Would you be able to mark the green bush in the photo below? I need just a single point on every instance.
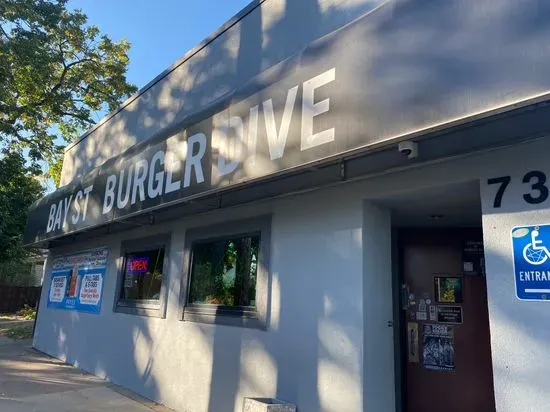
(27, 313)
(16, 273)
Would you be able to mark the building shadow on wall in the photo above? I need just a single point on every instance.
(303, 342)
(292, 352)
(310, 353)
(124, 357)
(311, 329)
(514, 365)
(210, 74)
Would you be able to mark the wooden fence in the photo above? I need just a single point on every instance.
(13, 298)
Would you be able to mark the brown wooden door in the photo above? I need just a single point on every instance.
(448, 362)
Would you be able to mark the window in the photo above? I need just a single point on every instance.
(143, 276)
(223, 272)
(226, 274)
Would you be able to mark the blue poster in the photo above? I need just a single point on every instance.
(77, 281)
(532, 262)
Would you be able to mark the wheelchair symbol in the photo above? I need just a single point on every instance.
(535, 252)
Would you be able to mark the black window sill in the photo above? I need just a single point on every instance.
(212, 314)
(140, 308)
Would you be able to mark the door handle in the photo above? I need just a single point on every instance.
(404, 296)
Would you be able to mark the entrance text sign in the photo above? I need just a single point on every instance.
(77, 281)
(532, 262)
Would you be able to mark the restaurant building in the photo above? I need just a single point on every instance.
(340, 204)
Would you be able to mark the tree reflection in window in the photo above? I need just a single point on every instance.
(224, 272)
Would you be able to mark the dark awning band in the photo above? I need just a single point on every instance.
(362, 85)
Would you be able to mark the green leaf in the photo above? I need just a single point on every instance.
(19, 188)
(56, 73)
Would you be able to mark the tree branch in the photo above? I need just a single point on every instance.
(14, 132)
(59, 83)
(77, 116)
(90, 87)
(4, 32)
(66, 68)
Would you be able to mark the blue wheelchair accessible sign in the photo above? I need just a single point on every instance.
(532, 262)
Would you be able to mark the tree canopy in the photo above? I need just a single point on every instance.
(19, 188)
(56, 71)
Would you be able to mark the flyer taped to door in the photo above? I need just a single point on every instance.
(438, 347)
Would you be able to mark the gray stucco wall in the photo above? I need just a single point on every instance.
(268, 34)
(519, 332)
(519, 329)
(379, 379)
(329, 305)
(311, 353)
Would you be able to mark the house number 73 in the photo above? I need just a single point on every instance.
(536, 189)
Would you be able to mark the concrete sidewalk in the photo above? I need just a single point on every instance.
(31, 381)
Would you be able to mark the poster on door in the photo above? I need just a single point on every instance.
(77, 281)
(438, 347)
(448, 289)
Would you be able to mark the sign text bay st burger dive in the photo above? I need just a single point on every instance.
(181, 162)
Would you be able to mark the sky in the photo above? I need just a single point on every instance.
(160, 31)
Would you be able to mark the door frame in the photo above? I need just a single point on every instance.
(399, 299)
(399, 335)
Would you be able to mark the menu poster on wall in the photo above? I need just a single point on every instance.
(438, 348)
(77, 281)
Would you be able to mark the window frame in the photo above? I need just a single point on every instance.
(245, 316)
(144, 307)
